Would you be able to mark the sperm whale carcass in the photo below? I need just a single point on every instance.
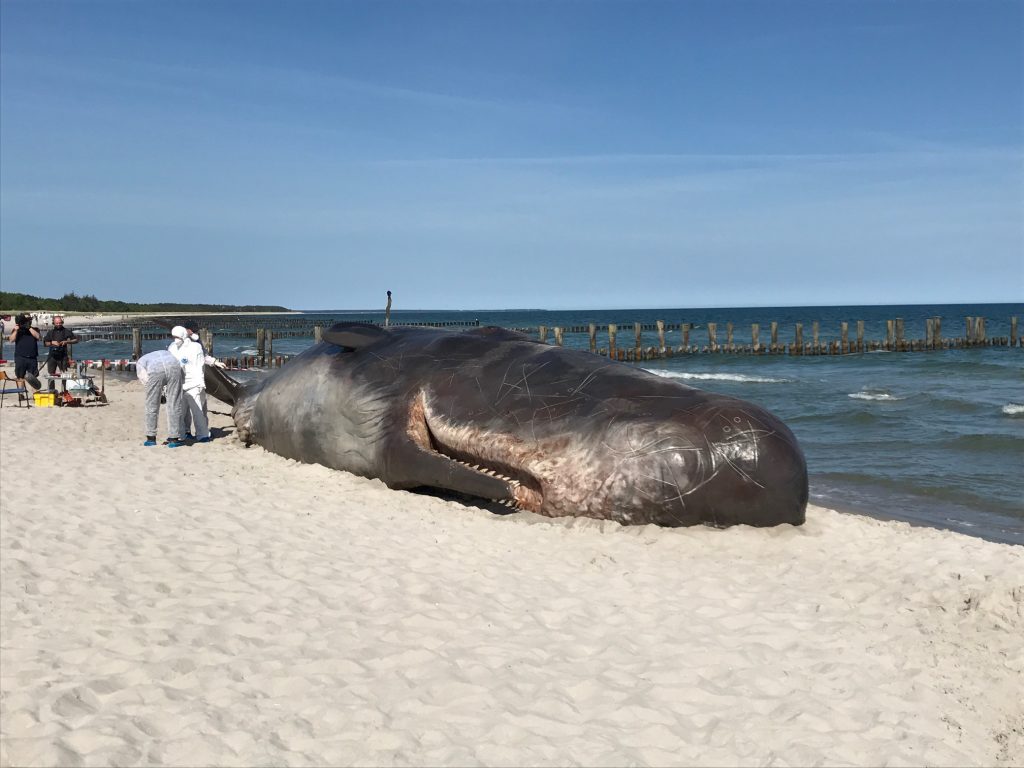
(493, 414)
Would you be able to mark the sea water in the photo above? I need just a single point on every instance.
(933, 438)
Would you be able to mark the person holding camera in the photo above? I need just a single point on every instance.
(58, 339)
(26, 351)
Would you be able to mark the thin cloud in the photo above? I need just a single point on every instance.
(187, 80)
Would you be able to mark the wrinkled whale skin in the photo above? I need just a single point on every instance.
(491, 413)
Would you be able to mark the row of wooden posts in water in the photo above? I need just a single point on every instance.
(975, 335)
(894, 341)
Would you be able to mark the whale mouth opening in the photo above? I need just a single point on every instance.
(524, 488)
(487, 454)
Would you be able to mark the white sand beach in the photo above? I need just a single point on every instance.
(217, 605)
(44, 318)
(74, 320)
(81, 320)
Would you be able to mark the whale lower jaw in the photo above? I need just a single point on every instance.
(489, 454)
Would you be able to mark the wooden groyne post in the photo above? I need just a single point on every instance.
(612, 331)
(136, 343)
(261, 345)
(593, 337)
(974, 331)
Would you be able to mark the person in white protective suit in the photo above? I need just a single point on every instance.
(193, 357)
(160, 371)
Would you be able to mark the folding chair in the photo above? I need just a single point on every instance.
(15, 390)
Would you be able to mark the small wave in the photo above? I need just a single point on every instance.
(955, 404)
(999, 444)
(1013, 409)
(718, 377)
(880, 396)
(855, 417)
(248, 353)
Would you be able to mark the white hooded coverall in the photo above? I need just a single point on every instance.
(192, 357)
(156, 371)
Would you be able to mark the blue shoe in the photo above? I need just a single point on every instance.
(204, 439)
(174, 444)
(188, 436)
(150, 442)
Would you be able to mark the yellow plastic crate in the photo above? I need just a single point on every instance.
(44, 399)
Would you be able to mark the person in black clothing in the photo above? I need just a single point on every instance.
(58, 340)
(26, 351)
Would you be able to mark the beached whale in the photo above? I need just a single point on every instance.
(493, 414)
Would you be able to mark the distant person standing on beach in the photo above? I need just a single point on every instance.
(192, 357)
(387, 312)
(161, 373)
(58, 339)
(26, 351)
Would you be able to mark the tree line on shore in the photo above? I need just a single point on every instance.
(72, 302)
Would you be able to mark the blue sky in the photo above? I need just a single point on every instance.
(513, 154)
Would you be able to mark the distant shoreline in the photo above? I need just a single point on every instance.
(80, 319)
